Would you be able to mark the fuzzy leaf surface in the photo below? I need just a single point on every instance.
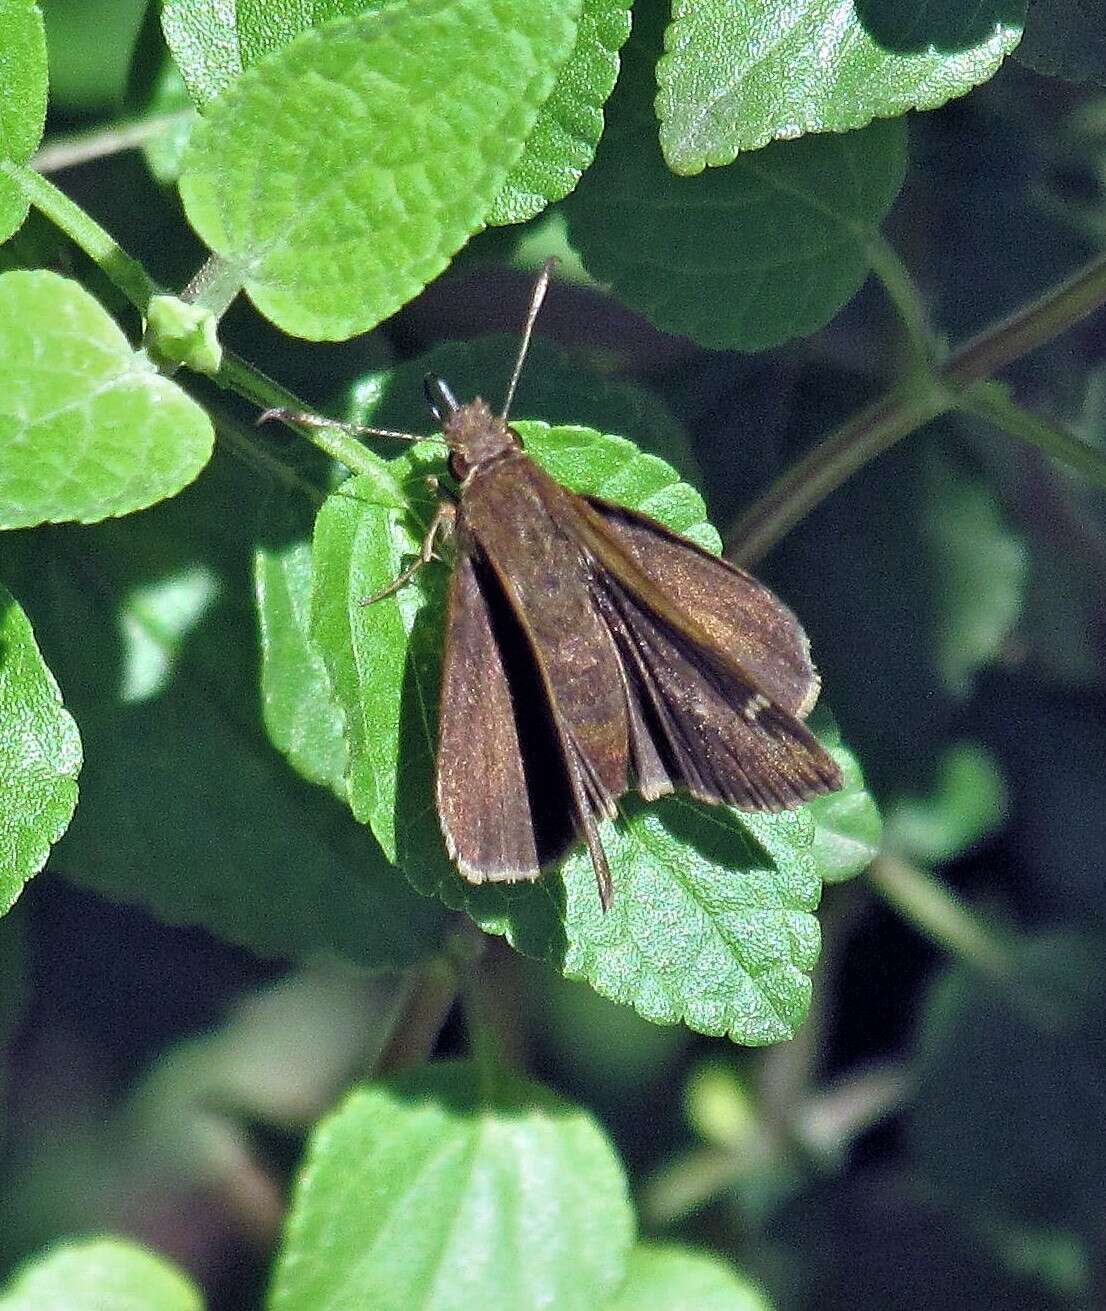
(339, 203)
(40, 755)
(734, 77)
(23, 103)
(570, 123)
(88, 427)
(740, 258)
(212, 42)
(712, 921)
(437, 1191)
(101, 1274)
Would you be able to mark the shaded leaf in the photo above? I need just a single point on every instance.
(23, 104)
(1008, 1117)
(664, 1277)
(734, 78)
(711, 923)
(441, 1191)
(931, 579)
(102, 1274)
(1065, 38)
(40, 755)
(847, 824)
(966, 803)
(88, 427)
(189, 810)
(302, 717)
(372, 182)
(740, 258)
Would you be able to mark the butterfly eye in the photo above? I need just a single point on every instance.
(441, 400)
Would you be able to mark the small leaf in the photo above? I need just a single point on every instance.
(734, 78)
(741, 258)
(178, 332)
(712, 922)
(338, 205)
(847, 823)
(23, 103)
(568, 127)
(966, 803)
(664, 1277)
(40, 756)
(88, 428)
(102, 1274)
(1065, 38)
(440, 1192)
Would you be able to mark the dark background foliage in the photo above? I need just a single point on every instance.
(934, 1134)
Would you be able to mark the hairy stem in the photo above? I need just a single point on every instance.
(67, 152)
(929, 906)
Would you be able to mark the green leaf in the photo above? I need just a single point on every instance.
(23, 103)
(711, 923)
(88, 427)
(186, 807)
(568, 127)
(302, 716)
(102, 1274)
(1065, 38)
(966, 803)
(741, 258)
(339, 205)
(664, 1277)
(1007, 1119)
(212, 42)
(734, 78)
(40, 755)
(438, 1191)
(90, 43)
(847, 824)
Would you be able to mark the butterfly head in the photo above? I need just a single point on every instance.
(472, 432)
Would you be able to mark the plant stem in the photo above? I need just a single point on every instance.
(911, 404)
(420, 1020)
(992, 402)
(941, 917)
(67, 152)
(902, 291)
(239, 376)
(125, 272)
(214, 286)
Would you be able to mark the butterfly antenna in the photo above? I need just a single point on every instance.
(354, 429)
(541, 286)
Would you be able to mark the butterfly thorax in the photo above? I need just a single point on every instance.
(475, 435)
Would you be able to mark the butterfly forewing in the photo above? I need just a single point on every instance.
(505, 810)
(746, 619)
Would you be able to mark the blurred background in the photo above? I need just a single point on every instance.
(935, 1135)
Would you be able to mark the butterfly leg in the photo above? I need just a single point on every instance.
(444, 515)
